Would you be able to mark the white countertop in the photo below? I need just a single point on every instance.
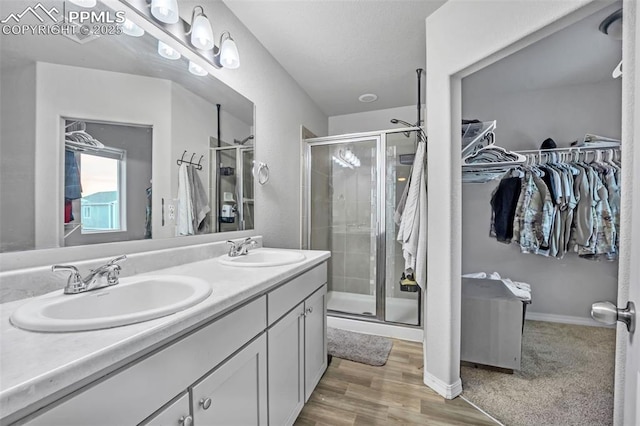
(35, 367)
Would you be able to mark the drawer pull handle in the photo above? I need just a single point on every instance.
(205, 403)
(308, 311)
(186, 421)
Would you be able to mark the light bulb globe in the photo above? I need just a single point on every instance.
(201, 33)
(167, 51)
(165, 11)
(229, 57)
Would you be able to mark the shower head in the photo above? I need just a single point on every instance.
(396, 121)
(243, 141)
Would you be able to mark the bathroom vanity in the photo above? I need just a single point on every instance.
(249, 354)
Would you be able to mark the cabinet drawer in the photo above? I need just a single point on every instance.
(131, 395)
(288, 295)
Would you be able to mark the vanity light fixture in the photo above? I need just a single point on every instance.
(132, 29)
(167, 51)
(200, 31)
(196, 69)
(227, 55)
(165, 11)
(84, 3)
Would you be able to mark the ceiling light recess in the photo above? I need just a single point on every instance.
(368, 97)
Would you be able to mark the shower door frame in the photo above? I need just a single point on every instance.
(380, 136)
(239, 187)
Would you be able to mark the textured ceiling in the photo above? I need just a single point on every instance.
(338, 50)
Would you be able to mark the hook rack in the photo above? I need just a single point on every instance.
(197, 165)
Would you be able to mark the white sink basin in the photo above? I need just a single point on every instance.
(134, 299)
(263, 257)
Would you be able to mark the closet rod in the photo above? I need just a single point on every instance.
(569, 149)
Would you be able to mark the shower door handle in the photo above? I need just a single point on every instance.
(608, 313)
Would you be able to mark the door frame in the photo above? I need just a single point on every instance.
(380, 137)
(514, 25)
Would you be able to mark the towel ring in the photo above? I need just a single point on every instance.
(261, 172)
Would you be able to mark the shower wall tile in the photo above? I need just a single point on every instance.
(357, 285)
(338, 242)
(338, 263)
(321, 238)
(358, 265)
(358, 243)
(336, 283)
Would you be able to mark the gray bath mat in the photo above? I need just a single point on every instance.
(364, 348)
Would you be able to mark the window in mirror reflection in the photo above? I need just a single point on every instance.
(102, 202)
(107, 182)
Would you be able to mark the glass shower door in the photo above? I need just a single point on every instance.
(343, 218)
(402, 303)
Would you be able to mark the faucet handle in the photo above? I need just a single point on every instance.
(117, 259)
(74, 271)
(74, 283)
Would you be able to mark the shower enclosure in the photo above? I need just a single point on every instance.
(352, 184)
(232, 188)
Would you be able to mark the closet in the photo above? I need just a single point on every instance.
(540, 214)
(540, 92)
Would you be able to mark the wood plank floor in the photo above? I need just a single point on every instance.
(351, 393)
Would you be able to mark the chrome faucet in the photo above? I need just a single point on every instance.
(242, 247)
(102, 276)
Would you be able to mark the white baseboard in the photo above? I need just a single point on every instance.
(448, 391)
(564, 319)
(379, 329)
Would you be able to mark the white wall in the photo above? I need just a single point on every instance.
(563, 289)
(17, 136)
(371, 120)
(281, 108)
(525, 119)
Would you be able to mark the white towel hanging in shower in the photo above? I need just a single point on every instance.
(412, 232)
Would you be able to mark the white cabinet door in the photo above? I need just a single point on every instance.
(236, 392)
(315, 340)
(174, 414)
(286, 368)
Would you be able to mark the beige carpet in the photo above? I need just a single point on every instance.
(566, 378)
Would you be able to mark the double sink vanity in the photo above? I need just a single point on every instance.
(226, 340)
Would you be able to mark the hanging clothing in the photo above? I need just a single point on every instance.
(200, 201)
(147, 218)
(72, 184)
(503, 203)
(412, 212)
(561, 208)
(185, 216)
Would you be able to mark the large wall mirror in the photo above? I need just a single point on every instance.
(102, 139)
